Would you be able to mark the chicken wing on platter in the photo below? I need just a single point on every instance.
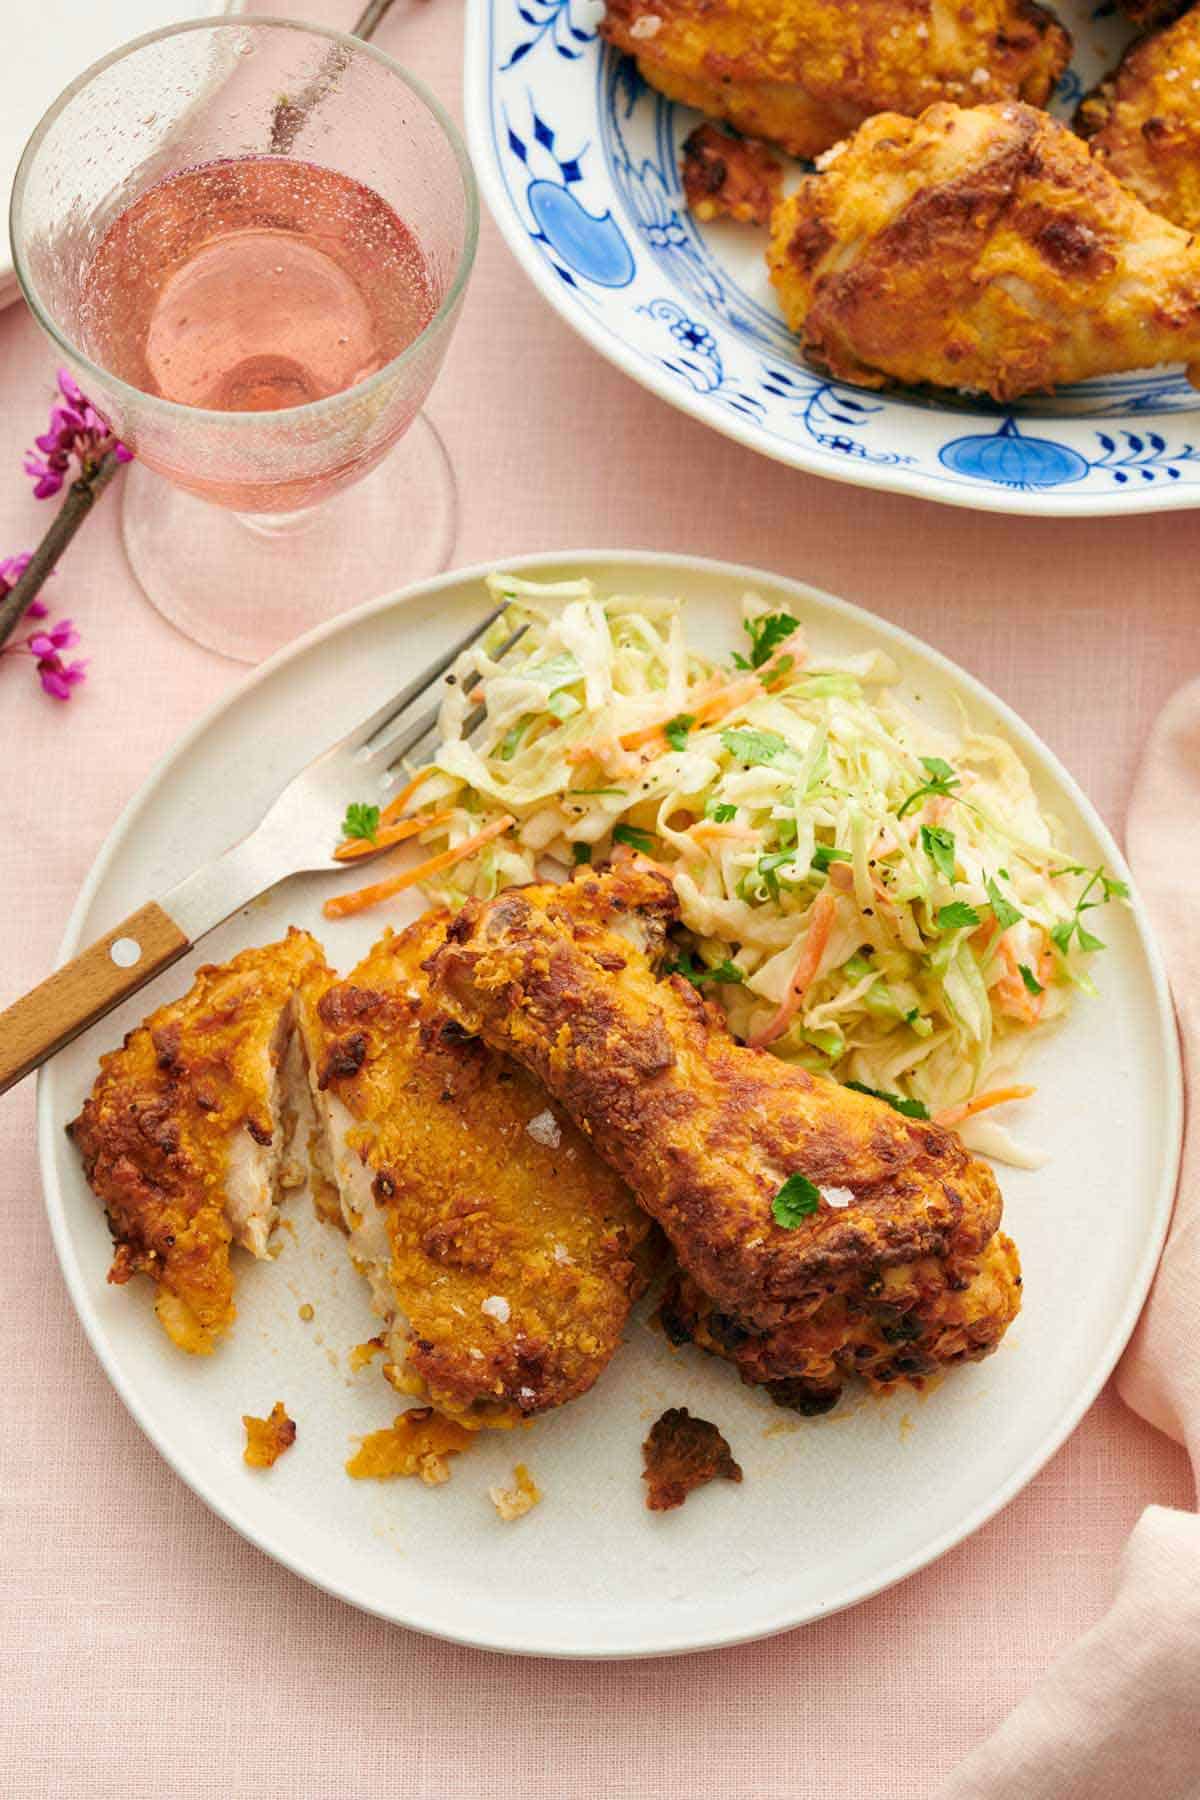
(183, 1135)
(807, 1214)
(502, 1253)
(983, 249)
(803, 73)
(1143, 122)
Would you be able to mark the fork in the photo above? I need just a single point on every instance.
(297, 836)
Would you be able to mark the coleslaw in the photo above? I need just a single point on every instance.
(879, 900)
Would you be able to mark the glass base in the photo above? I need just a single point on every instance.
(245, 584)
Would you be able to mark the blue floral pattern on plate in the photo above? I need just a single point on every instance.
(579, 160)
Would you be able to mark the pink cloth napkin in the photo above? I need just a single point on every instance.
(1119, 1714)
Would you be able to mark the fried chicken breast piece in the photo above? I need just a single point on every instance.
(184, 1132)
(983, 249)
(707, 1131)
(503, 1255)
(803, 73)
(922, 1317)
(1143, 122)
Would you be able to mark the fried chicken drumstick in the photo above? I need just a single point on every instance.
(983, 249)
(803, 73)
(706, 1133)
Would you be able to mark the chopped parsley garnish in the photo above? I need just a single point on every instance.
(912, 1109)
(1032, 984)
(955, 916)
(1003, 911)
(676, 730)
(361, 821)
(824, 854)
(938, 844)
(582, 853)
(637, 840)
(721, 812)
(698, 973)
(796, 1199)
(752, 746)
(765, 634)
(1074, 927)
(942, 781)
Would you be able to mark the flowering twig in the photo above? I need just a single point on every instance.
(82, 494)
(76, 434)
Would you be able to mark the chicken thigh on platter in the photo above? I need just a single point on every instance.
(803, 73)
(1143, 122)
(897, 1215)
(983, 249)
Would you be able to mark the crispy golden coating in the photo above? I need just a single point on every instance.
(985, 250)
(683, 1454)
(804, 73)
(267, 1439)
(707, 1131)
(510, 1254)
(730, 178)
(183, 1132)
(922, 1317)
(1143, 122)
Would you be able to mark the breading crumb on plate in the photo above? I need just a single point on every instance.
(267, 1439)
(516, 1501)
(730, 177)
(418, 1442)
(682, 1454)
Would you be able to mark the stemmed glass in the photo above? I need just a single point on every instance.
(254, 509)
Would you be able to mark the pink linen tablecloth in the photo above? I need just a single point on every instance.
(148, 1652)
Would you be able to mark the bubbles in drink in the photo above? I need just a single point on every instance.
(253, 284)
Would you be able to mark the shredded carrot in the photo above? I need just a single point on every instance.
(342, 905)
(707, 829)
(351, 849)
(966, 1109)
(1013, 998)
(819, 928)
(395, 808)
(706, 703)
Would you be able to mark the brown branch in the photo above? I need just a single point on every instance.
(81, 497)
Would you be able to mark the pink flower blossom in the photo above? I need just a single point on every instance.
(11, 570)
(59, 678)
(45, 646)
(76, 431)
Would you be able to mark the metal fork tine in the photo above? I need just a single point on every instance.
(391, 710)
(428, 720)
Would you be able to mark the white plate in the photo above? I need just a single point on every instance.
(831, 1510)
(49, 43)
(579, 162)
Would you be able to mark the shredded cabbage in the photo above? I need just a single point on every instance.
(953, 923)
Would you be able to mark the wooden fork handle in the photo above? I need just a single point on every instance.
(86, 988)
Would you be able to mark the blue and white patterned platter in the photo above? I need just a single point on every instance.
(579, 162)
